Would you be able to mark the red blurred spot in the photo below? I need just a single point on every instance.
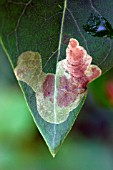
(109, 90)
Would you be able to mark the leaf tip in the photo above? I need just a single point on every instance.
(53, 153)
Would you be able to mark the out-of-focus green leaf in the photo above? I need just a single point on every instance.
(18, 123)
(94, 155)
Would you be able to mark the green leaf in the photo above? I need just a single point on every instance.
(46, 27)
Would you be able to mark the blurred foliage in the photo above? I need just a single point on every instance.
(102, 89)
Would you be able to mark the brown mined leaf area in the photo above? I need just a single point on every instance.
(67, 92)
(29, 69)
(58, 94)
(48, 87)
(78, 65)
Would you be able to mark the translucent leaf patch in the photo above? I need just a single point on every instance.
(58, 94)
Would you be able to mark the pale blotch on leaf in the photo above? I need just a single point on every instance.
(29, 68)
(58, 94)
